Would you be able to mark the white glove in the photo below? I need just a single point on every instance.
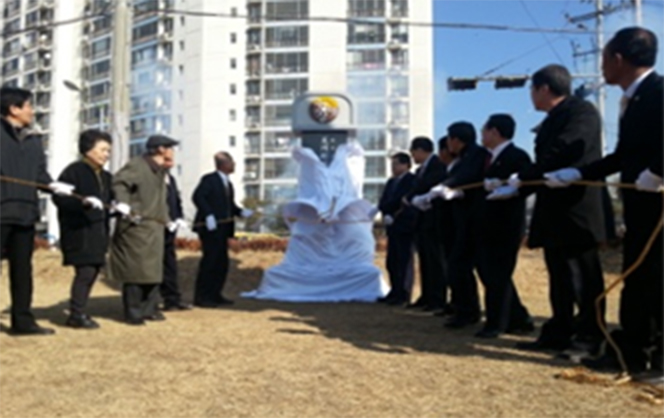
(388, 220)
(181, 223)
(246, 213)
(211, 223)
(562, 178)
(649, 182)
(372, 212)
(514, 181)
(422, 202)
(122, 208)
(437, 191)
(503, 193)
(94, 202)
(492, 184)
(172, 226)
(63, 189)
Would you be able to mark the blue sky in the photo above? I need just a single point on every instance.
(469, 53)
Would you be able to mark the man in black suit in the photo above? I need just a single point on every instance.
(399, 221)
(628, 61)
(501, 230)
(427, 238)
(468, 168)
(569, 223)
(215, 204)
(169, 289)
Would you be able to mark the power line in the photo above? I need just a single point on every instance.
(560, 59)
(518, 57)
(436, 25)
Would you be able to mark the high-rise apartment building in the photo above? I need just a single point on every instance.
(225, 82)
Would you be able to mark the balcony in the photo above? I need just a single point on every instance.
(46, 4)
(43, 107)
(253, 48)
(253, 100)
(286, 70)
(395, 44)
(166, 37)
(398, 123)
(366, 66)
(43, 87)
(366, 13)
(252, 124)
(250, 176)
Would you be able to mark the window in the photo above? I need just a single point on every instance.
(375, 167)
(252, 144)
(373, 59)
(371, 113)
(233, 89)
(100, 69)
(365, 33)
(399, 112)
(182, 20)
(100, 91)
(367, 86)
(367, 8)
(101, 48)
(253, 88)
(101, 24)
(400, 33)
(232, 115)
(233, 63)
(145, 32)
(143, 55)
(293, 62)
(371, 139)
(400, 139)
(287, 36)
(278, 115)
(181, 69)
(180, 120)
(283, 89)
(399, 58)
(32, 19)
(288, 10)
(399, 86)
(279, 193)
(10, 67)
(181, 45)
(251, 169)
(231, 141)
(278, 141)
(282, 168)
(233, 11)
(399, 8)
(251, 192)
(233, 38)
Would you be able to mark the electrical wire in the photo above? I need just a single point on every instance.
(525, 7)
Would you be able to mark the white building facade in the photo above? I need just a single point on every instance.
(225, 82)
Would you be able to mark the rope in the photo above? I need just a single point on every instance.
(644, 253)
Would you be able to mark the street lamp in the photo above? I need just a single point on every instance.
(102, 114)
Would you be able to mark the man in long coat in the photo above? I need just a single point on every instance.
(137, 247)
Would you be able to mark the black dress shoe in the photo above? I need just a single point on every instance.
(135, 321)
(419, 304)
(458, 322)
(224, 301)
(523, 328)
(609, 363)
(446, 311)
(397, 301)
(33, 330)
(180, 306)
(81, 322)
(488, 333)
(157, 316)
(432, 308)
(543, 345)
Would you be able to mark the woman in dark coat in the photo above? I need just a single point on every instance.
(84, 227)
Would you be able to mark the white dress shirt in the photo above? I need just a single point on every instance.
(496, 151)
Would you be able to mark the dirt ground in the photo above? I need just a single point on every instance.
(268, 359)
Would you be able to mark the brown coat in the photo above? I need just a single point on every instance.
(137, 250)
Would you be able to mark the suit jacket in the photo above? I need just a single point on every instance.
(427, 177)
(504, 220)
(391, 204)
(572, 217)
(639, 147)
(212, 198)
(466, 211)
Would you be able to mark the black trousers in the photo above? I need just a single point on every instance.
(169, 289)
(433, 269)
(140, 300)
(496, 264)
(641, 310)
(81, 287)
(18, 244)
(399, 261)
(213, 267)
(574, 279)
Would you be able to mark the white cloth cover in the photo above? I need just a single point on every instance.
(330, 254)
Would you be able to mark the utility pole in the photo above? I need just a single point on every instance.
(601, 92)
(638, 13)
(120, 81)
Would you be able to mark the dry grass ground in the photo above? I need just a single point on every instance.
(267, 359)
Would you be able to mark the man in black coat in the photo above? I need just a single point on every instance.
(430, 251)
(501, 231)
(628, 61)
(214, 198)
(84, 226)
(21, 158)
(469, 167)
(569, 223)
(169, 288)
(400, 225)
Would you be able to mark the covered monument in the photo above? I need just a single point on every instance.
(330, 255)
